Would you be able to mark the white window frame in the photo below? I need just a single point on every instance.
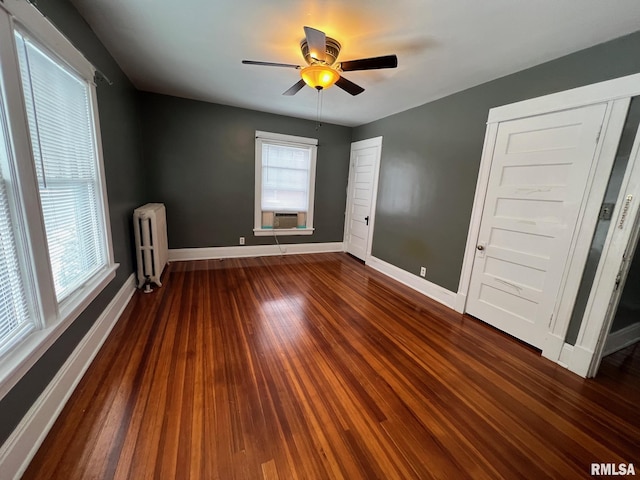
(52, 318)
(293, 141)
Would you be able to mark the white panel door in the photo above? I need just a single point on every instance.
(537, 184)
(363, 176)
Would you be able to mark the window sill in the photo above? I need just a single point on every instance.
(280, 232)
(17, 362)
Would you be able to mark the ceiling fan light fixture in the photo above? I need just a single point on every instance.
(319, 76)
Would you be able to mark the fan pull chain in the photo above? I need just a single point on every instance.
(319, 109)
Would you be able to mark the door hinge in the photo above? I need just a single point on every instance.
(599, 133)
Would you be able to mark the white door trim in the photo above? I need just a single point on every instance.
(588, 219)
(476, 214)
(370, 142)
(607, 91)
(623, 87)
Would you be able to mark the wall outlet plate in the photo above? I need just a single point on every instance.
(241, 240)
(423, 271)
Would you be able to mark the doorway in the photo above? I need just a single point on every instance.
(606, 308)
(609, 225)
(620, 335)
(625, 327)
(618, 354)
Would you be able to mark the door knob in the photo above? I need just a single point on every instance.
(480, 247)
(366, 219)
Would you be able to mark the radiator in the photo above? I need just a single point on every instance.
(152, 247)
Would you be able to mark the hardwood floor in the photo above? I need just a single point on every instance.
(315, 366)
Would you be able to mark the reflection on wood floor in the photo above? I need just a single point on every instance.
(620, 372)
(315, 366)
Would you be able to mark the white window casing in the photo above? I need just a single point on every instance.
(285, 167)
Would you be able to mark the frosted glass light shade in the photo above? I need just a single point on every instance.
(319, 76)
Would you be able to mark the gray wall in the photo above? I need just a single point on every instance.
(119, 119)
(200, 160)
(431, 156)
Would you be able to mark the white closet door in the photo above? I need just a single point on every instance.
(537, 184)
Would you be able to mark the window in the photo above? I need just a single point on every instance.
(285, 180)
(15, 318)
(64, 153)
(55, 242)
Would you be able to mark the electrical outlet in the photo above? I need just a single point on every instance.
(241, 240)
(423, 272)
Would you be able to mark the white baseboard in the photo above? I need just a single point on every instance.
(564, 358)
(574, 358)
(553, 347)
(18, 451)
(431, 290)
(212, 253)
(622, 338)
(580, 360)
(461, 302)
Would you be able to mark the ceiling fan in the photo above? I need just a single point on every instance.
(321, 52)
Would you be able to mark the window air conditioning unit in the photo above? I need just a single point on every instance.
(285, 220)
(280, 220)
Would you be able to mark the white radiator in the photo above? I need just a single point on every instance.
(152, 247)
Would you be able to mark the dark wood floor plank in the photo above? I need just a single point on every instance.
(314, 367)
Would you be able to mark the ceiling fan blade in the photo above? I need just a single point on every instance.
(295, 88)
(317, 43)
(349, 87)
(270, 64)
(375, 63)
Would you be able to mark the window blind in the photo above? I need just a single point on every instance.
(59, 113)
(15, 319)
(285, 178)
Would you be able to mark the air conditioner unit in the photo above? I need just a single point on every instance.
(285, 220)
(280, 220)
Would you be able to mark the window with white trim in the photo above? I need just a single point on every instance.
(284, 184)
(58, 106)
(56, 253)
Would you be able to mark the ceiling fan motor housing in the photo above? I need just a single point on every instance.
(332, 52)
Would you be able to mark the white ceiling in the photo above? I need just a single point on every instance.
(193, 48)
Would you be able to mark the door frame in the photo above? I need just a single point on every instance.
(603, 300)
(370, 142)
(616, 93)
